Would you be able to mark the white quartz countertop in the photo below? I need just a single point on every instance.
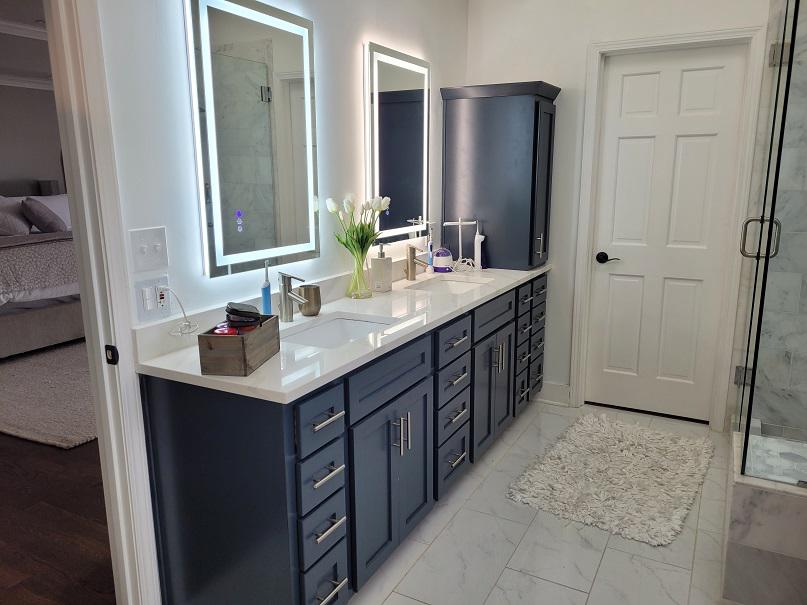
(299, 369)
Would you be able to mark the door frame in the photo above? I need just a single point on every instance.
(85, 129)
(753, 39)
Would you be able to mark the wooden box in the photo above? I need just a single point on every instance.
(242, 354)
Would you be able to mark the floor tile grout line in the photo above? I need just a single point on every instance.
(532, 575)
(596, 573)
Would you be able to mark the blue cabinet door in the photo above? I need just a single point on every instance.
(485, 362)
(414, 490)
(504, 378)
(375, 452)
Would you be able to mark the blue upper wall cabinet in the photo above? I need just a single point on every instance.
(497, 168)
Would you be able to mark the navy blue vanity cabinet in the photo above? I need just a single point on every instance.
(492, 401)
(391, 476)
(497, 168)
(537, 335)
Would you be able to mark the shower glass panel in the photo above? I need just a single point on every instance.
(772, 403)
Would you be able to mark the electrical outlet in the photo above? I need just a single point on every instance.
(152, 299)
(149, 249)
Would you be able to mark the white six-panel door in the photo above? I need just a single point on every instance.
(666, 185)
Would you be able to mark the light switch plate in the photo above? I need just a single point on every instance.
(146, 302)
(149, 249)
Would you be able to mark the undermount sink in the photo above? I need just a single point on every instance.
(331, 332)
(451, 283)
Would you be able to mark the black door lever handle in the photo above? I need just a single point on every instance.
(602, 258)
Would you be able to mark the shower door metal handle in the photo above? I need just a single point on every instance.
(777, 224)
(744, 236)
(776, 235)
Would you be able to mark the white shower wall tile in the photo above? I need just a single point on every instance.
(783, 292)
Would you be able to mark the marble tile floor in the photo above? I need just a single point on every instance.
(479, 548)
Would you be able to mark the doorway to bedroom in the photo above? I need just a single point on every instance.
(55, 543)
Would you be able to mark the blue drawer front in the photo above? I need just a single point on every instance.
(494, 314)
(320, 476)
(523, 328)
(327, 581)
(453, 340)
(320, 420)
(453, 460)
(452, 379)
(322, 528)
(521, 394)
(372, 387)
(453, 416)
(524, 298)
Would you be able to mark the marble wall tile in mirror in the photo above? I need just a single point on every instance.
(397, 137)
(252, 79)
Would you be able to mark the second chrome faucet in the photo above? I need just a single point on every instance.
(412, 262)
(288, 298)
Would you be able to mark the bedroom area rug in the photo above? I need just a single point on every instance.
(45, 396)
(630, 480)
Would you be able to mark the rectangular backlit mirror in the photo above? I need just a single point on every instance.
(396, 111)
(253, 97)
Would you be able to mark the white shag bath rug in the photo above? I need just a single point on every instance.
(627, 479)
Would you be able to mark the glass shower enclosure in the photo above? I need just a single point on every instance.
(772, 363)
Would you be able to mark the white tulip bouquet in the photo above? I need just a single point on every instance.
(359, 230)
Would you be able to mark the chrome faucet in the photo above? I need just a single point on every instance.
(412, 262)
(287, 297)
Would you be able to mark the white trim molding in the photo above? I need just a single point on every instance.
(85, 128)
(23, 30)
(754, 39)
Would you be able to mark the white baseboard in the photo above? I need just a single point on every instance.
(555, 393)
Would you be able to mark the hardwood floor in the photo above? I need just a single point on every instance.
(54, 546)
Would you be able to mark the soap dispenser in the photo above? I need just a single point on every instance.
(381, 271)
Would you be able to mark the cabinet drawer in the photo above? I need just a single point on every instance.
(537, 374)
(453, 340)
(523, 356)
(372, 387)
(521, 394)
(494, 314)
(453, 416)
(327, 582)
(523, 328)
(524, 298)
(320, 420)
(453, 460)
(322, 528)
(320, 476)
(539, 290)
(452, 379)
(539, 317)
(537, 344)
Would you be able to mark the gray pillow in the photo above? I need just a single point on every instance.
(12, 219)
(42, 217)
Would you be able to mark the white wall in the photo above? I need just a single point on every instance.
(146, 62)
(548, 40)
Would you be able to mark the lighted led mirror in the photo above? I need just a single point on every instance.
(397, 137)
(253, 98)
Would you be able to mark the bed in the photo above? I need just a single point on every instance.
(39, 290)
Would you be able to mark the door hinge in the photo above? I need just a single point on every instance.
(266, 94)
(112, 355)
(742, 375)
(778, 54)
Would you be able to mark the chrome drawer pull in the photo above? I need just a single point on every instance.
(525, 300)
(542, 292)
(497, 361)
(409, 430)
(538, 379)
(321, 537)
(527, 329)
(457, 342)
(539, 346)
(339, 586)
(459, 460)
(523, 394)
(525, 357)
(458, 415)
(458, 379)
(332, 417)
(334, 470)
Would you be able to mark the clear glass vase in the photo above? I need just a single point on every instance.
(358, 287)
